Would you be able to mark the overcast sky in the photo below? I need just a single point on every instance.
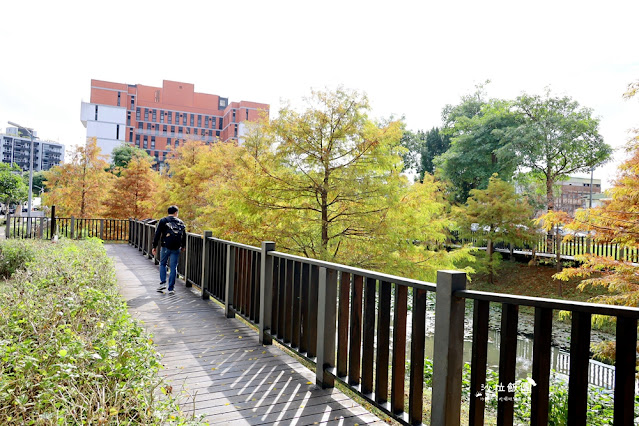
(411, 58)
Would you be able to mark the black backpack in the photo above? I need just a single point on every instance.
(173, 234)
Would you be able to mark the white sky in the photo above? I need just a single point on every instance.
(410, 57)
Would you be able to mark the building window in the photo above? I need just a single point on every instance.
(217, 133)
(222, 103)
(168, 142)
(177, 143)
(164, 128)
(172, 130)
(161, 116)
(206, 121)
(192, 117)
(140, 124)
(170, 118)
(128, 118)
(233, 116)
(117, 132)
(146, 114)
(137, 140)
(148, 126)
(137, 114)
(130, 135)
(152, 142)
(235, 130)
(118, 98)
(96, 113)
(180, 134)
(213, 122)
(132, 102)
(199, 121)
(221, 120)
(146, 141)
(184, 119)
(247, 113)
(155, 115)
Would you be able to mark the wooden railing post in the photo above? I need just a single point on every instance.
(150, 237)
(7, 231)
(53, 230)
(72, 227)
(448, 349)
(205, 270)
(266, 292)
(229, 294)
(102, 229)
(187, 254)
(142, 237)
(326, 316)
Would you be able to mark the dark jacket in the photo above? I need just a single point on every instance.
(160, 232)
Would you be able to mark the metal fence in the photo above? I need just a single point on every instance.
(367, 329)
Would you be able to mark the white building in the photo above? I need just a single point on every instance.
(16, 148)
(105, 123)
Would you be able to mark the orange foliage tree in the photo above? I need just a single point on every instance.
(78, 188)
(616, 222)
(197, 177)
(133, 193)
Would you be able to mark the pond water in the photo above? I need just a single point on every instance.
(600, 374)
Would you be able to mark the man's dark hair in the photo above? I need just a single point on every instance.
(173, 209)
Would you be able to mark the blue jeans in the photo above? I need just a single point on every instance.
(172, 257)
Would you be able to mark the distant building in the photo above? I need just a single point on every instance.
(158, 119)
(16, 148)
(573, 191)
(598, 199)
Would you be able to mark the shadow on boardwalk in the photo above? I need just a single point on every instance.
(217, 365)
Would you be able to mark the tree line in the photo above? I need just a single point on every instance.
(328, 181)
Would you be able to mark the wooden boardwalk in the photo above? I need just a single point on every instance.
(217, 365)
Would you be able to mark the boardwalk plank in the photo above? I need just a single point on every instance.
(216, 366)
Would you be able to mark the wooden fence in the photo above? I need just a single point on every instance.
(68, 227)
(568, 247)
(353, 325)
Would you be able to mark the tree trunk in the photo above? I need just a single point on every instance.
(550, 200)
(489, 253)
(558, 239)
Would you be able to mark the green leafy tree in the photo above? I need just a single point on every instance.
(499, 215)
(554, 137)
(423, 147)
(13, 189)
(326, 183)
(476, 128)
(122, 155)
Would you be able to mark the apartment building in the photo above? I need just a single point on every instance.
(572, 193)
(16, 148)
(158, 119)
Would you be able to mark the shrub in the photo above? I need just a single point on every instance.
(15, 255)
(69, 351)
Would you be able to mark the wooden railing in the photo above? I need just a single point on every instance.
(569, 247)
(67, 227)
(367, 329)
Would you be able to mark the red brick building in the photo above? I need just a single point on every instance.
(158, 119)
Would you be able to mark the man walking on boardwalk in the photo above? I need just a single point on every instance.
(171, 232)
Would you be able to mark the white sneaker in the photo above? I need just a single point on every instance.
(161, 288)
(171, 292)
